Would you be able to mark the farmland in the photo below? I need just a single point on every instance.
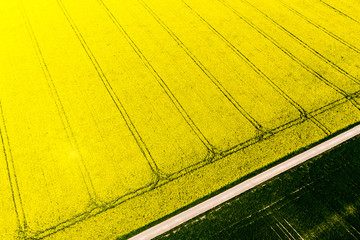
(316, 200)
(115, 114)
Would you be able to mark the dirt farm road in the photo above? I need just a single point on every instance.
(246, 185)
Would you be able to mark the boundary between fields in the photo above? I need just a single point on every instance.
(240, 188)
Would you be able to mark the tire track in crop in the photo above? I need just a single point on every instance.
(293, 57)
(212, 78)
(287, 52)
(13, 181)
(93, 212)
(301, 110)
(121, 199)
(129, 123)
(329, 204)
(338, 11)
(314, 113)
(331, 34)
(305, 45)
(264, 212)
(159, 79)
(60, 108)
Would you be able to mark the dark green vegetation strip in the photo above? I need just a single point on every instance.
(319, 199)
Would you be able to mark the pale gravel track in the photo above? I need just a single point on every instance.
(185, 216)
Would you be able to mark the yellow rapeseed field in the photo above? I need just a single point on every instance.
(115, 113)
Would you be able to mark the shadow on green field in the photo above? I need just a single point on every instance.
(319, 199)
